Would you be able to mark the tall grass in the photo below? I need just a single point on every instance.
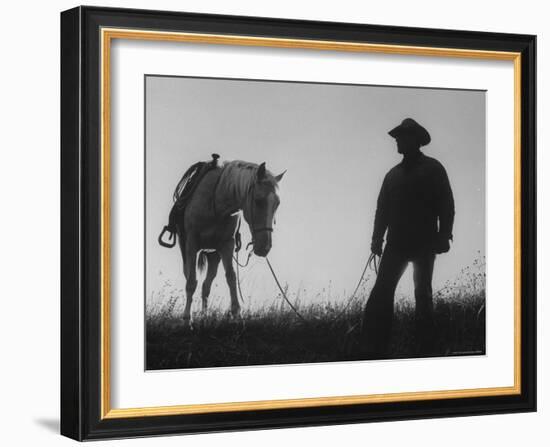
(274, 334)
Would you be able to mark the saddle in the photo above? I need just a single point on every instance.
(182, 195)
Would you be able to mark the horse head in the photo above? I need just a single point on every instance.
(261, 207)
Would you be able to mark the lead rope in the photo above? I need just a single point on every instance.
(283, 292)
(237, 268)
(371, 262)
(238, 245)
(239, 279)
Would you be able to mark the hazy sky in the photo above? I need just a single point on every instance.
(333, 141)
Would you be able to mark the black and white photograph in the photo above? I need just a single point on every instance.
(296, 222)
(286, 221)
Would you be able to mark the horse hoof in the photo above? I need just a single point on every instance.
(187, 323)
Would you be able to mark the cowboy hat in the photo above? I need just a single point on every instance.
(410, 127)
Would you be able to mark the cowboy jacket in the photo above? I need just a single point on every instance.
(415, 205)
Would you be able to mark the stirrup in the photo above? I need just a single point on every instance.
(171, 237)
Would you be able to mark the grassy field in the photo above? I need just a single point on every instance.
(330, 332)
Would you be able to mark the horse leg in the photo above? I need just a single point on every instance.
(189, 253)
(227, 261)
(212, 270)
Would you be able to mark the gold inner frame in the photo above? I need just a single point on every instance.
(107, 35)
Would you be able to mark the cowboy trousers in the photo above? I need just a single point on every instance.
(378, 314)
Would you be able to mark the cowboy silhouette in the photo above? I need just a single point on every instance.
(416, 207)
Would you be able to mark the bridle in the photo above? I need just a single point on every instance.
(251, 209)
(250, 195)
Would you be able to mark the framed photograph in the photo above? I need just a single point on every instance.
(276, 223)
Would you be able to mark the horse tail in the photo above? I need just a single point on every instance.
(202, 262)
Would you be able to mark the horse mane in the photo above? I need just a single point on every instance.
(237, 176)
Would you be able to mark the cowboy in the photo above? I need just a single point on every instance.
(416, 208)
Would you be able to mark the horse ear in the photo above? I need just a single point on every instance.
(280, 176)
(261, 171)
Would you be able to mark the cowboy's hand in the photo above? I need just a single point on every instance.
(442, 245)
(376, 248)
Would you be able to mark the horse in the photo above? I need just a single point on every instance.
(207, 229)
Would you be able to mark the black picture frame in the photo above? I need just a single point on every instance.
(81, 207)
